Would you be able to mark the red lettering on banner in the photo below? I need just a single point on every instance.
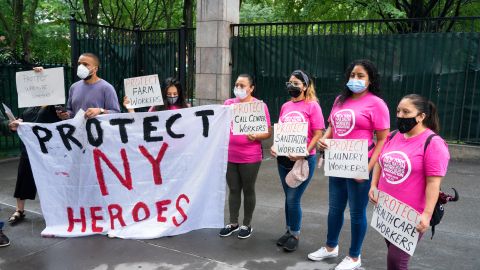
(161, 208)
(95, 218)
(136, 209)
(117, 215)
(72, 220)
(155, 162)
(125, 181)
(180, 210)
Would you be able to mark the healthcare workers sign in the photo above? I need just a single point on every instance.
(138, 175)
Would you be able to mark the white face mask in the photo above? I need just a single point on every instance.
(83, 72)
(240, 93)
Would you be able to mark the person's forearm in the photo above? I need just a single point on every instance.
(327, 134)
(375, 175)
(313, 142)
(431, 193)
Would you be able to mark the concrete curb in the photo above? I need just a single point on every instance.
(10, 159)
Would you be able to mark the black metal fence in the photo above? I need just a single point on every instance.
(123, 53)
(126, 53)
(437, 58)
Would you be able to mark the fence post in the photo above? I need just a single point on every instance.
(138, 51)
(182, 56)
(74, 54)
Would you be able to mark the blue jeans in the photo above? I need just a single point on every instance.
(1, 225)
(340, 191)
(293, 196)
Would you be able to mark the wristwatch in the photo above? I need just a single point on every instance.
(102, 111)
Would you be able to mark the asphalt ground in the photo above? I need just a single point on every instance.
(456, 244)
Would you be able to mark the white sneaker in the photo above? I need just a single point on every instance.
(349, 264)
(323, 253)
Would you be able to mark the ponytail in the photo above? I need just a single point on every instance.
(310, 94)
(432, 121)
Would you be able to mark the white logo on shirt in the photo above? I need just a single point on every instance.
(344, 122)
(396, 167)
(293, 116)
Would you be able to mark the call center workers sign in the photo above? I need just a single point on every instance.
(139, 175)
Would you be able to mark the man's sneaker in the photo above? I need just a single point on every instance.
(4, 241)
(228, 230)
(349, 264)
(291, 244)
(282, 240)
(323, 253)
(245, 232)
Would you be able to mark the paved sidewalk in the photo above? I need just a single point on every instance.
(456, 244)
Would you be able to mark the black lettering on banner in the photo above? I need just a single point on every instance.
(169, 125)
(67, 136)
(121, 122)
(148, 128)
(204, 114)
(42, 139)
(91, 139)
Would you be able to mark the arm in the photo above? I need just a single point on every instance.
(373, 186)
(328, 135)
(262, 136)
(431, 193)
(381, 138)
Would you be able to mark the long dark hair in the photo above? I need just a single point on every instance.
(181, 101)
(373, 77)
(427, 107)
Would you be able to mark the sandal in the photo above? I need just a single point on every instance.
(16, 217)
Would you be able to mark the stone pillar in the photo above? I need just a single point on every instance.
(213, 70)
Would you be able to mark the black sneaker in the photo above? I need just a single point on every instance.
(228, 230)
(291, 244)
(245, 232)
(4, 241)
(282, 240)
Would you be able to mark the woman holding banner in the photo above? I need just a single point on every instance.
(172, 94)
(302, 107)
(357, 113)
(244, 159)
(25, 187)
(419, 158)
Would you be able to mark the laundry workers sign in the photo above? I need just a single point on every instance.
(346, 158)
(138, 175)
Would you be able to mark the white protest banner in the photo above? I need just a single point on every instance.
(8, 112)
(249, 118)
(346, 158)
(290, 138)
(143, 91)
(137, 175)
(40, 88)
(396, 222)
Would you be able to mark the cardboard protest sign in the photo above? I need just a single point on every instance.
(40, 88)
(138, 175)
(143, 91)
(290, 138)
(346, 158)
(249, 118)
(396, 222)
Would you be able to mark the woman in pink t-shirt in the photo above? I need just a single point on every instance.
(172, 94)
(244, 159)
(358, 113)
(410, 171)
(302, 107)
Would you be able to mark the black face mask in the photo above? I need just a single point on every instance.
(404, 125)
(294, 91)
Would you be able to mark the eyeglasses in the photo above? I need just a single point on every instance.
(296, 84)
